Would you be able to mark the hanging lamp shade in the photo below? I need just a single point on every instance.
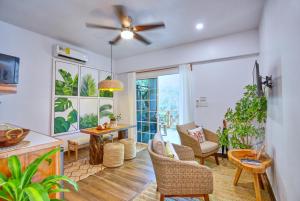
(110, 85)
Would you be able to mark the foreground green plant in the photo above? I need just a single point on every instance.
(246, 122)
(19, 186)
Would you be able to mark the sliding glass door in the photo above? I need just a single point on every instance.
(157, 102)
(146, 102)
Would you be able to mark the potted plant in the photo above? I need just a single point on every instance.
(19, 186)
(246, 122)
(114, 120)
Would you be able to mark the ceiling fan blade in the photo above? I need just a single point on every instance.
(121, 13)
(89, 25)
(115, 40)
(146, 27)
(141, 38)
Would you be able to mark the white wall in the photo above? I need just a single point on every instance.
(222, 84)
(280, 57)
(228, 46)
(31, 106)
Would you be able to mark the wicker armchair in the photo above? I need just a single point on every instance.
(203, 150)
(181, 178)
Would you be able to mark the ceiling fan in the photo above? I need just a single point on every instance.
(128, 30)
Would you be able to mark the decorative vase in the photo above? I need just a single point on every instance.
(113, 123)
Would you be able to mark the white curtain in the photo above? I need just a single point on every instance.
(185, 94)
(126, 101)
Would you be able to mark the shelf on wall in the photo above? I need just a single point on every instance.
(8, 89)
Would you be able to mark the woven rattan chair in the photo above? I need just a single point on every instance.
(201, 150)
(181, 178)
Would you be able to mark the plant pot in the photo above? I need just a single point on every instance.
(113, 123)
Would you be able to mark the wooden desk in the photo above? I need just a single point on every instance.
(259, 172)
(97, 142)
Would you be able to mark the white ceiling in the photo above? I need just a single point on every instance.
(65, 20)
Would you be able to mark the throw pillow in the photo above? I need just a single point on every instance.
(198, 134)
(158, 144)
(170, 151)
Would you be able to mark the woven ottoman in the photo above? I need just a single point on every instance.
(130, 148)
(113, 155)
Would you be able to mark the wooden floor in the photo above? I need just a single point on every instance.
(115, 184)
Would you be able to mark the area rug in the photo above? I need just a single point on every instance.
(81, 168)
(224, 190)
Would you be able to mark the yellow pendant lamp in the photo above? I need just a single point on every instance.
(110, 85)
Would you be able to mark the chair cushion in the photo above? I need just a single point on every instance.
(170, 151)
(208, 146)
(183, 128)
(198, 134)
(158, 144)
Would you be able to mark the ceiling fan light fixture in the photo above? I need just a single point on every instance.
(127, 34)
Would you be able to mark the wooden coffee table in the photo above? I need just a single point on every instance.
(259, 172)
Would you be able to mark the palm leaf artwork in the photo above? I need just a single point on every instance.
(62, 124)
(105, 110)
(68, 86)
(107, 94)
(20, 187)
(88, 121)
(88, 86)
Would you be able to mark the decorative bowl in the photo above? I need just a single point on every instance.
(10, 137)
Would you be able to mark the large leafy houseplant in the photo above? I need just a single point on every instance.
(19, 186)
(246, 121)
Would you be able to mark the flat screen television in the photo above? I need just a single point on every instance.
(258, 80)
(9, 69)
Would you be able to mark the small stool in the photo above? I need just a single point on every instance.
(113, 155)
(130, 148)
(77, 143)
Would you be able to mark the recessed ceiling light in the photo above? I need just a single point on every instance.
(199, 26)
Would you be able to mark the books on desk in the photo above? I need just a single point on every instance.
(251, 161)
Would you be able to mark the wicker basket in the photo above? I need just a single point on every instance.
(113, 155)
(130, 148)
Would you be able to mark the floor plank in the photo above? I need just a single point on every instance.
(116, 184)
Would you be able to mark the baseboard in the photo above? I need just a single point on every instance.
(271, 192)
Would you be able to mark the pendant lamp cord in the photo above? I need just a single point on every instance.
(111, 61)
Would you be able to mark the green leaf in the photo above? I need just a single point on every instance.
(11, 188)
(75, 85)
(67, 87)
(105, 114)
(88, 86)
(14, 166)
(62, 104)
(3, 195)
(88, 121)
(57, 178)
(61, 125)
(72, 117)
(36, 192)
(105, 107)
(67, 77)
(3, 179)
(32, 168)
